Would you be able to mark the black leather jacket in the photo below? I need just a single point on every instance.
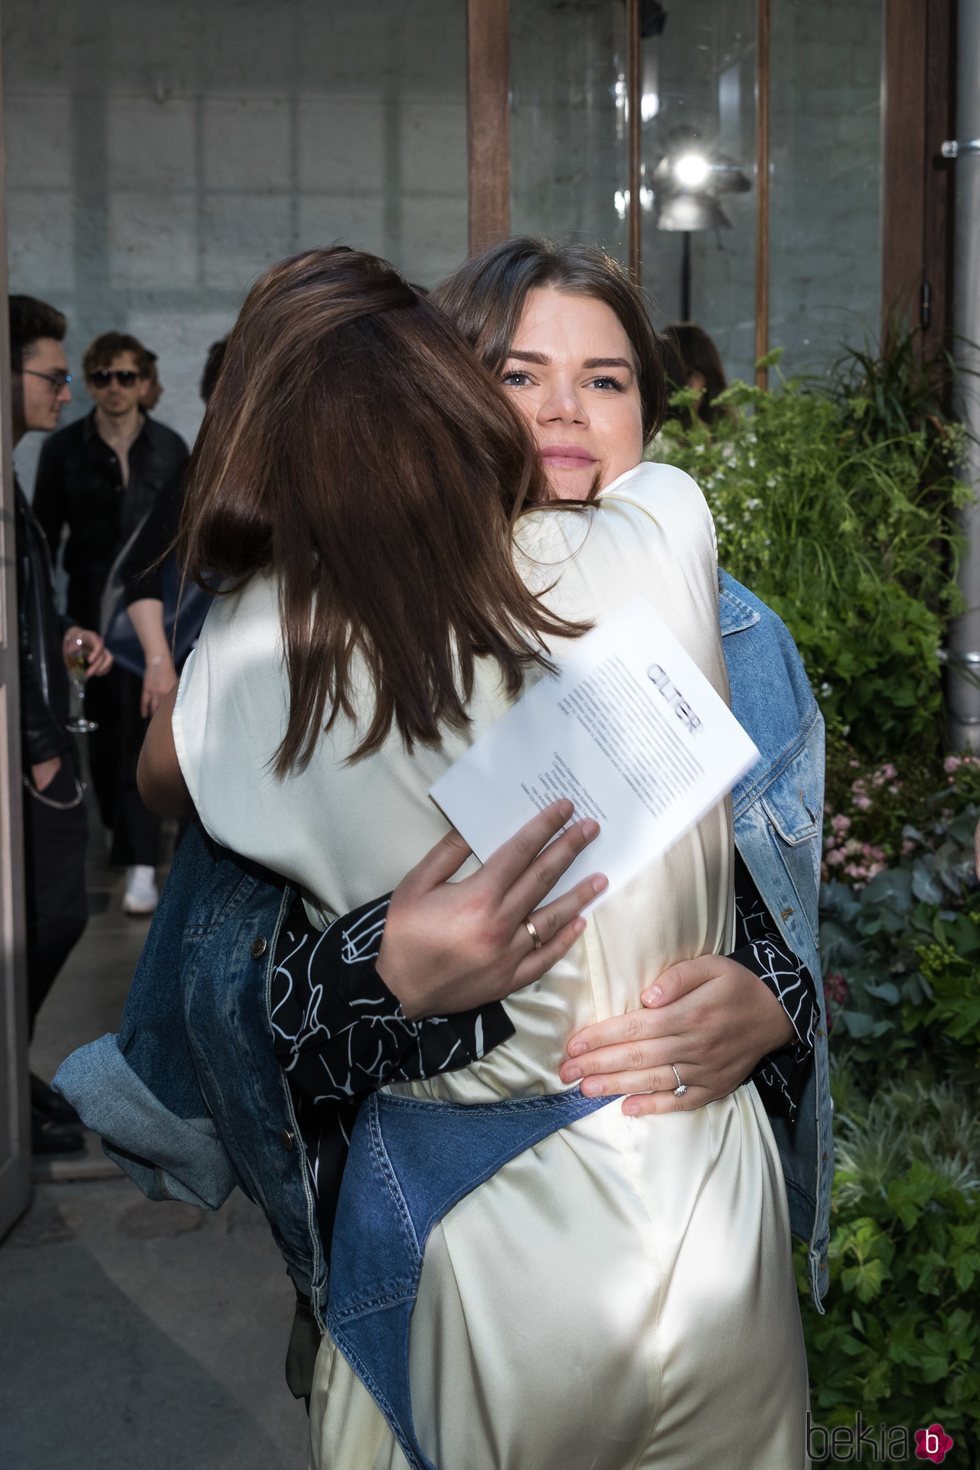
(44, 696)
(79, 485)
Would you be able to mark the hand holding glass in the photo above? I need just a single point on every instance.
(76, 659)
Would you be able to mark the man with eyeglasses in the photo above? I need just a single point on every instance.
(55, 830)
(98, 478)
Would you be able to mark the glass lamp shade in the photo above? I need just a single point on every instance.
(690, 212)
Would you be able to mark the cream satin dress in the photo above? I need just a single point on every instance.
(620, 1296)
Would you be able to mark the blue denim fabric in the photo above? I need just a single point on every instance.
(410, 1161)
(778, 813)
(190, 1100)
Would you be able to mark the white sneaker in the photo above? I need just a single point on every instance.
(141, 891)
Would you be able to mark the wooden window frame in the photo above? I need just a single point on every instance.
(918, 68)
(488, 121)
(918, 90)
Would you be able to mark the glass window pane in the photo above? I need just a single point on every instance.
(568, 120)
(825, 279)
(698, 193)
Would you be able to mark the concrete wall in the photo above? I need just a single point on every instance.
(160, 154)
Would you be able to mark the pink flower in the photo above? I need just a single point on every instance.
(840, 824)
(835, 987)
(888, 772)
(952, 763)
(863, 803)
(835, 994)
(856, 871)
(835, 857)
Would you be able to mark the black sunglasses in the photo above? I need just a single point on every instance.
(102, 377)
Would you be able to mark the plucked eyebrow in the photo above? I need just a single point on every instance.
(591, 362)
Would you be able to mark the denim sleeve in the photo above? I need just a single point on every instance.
(779, 1077)
(339, 1032)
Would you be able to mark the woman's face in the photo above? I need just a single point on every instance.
(571, 372)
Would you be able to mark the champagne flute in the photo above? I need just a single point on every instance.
(76, 660)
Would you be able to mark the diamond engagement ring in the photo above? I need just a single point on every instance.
(681, 1087)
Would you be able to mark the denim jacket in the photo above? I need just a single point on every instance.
(190, 1100)
(778, 814)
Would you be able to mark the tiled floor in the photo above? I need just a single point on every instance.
(133, 1335)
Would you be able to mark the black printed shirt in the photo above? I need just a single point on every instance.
(339, 1032)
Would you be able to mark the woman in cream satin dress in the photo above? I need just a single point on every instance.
(621, 1294)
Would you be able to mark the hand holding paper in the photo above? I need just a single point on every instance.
(628, 729)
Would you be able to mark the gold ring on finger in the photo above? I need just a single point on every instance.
(535, 936)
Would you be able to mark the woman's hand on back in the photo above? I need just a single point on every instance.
(710, 1017)
(449, 947)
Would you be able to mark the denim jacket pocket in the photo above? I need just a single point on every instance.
(792, 805)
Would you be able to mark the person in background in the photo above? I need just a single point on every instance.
(142, 571)
(703, 368)
(98, 479)
(55, 830)
(151, 389)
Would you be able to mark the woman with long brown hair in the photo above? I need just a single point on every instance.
(362, 486)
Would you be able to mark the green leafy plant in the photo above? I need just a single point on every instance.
(901, 1341)
(850, 536)
(900, 388)
(901, 945)
(836, 502)
(901, 949)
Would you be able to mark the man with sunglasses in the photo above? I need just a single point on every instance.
(98, 478)
(55, 830)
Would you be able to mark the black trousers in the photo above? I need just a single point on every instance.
(114, 750)
(54, 860)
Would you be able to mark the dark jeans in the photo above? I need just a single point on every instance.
(114, 749)
(54, 862)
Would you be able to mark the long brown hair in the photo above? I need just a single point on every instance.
(354, 447)
(485, 298)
